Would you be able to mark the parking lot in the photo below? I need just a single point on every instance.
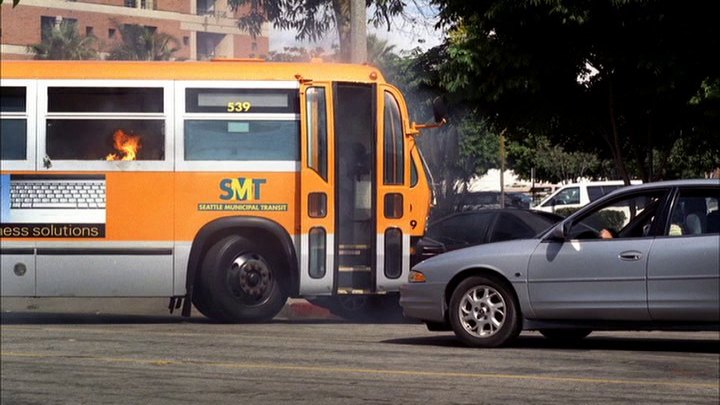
(96, 356)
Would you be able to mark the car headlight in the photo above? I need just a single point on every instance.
(416, 277)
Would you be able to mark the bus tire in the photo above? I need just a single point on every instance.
(201, 301)
(240, 282)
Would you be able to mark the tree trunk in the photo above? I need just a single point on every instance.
(342, 23)
(358, 31)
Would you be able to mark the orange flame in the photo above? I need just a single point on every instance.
(128, 145)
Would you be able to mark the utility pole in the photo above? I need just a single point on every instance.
(502, 168)
(358, 31)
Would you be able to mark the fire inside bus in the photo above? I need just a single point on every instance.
(230, 185)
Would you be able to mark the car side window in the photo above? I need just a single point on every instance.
(626, 217)
(566, 196)
(595, 192)
(461, 229)
(695, 212)
(508, 227)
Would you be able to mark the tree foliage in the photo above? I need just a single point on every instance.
(63, 42)
(455, 153)
(15, 3)
(552, 163)
(299, 54)
(142, 43)
(379, 53)
(619, 77)
(312, 19)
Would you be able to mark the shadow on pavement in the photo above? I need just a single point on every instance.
(639, 344)
(49, 318)
(53, 318)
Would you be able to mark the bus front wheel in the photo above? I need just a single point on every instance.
(239, 282)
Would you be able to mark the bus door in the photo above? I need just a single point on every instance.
(317, 197)
(355, 200)
(398, 212)
(357, 212)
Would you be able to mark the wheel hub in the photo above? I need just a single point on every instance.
(482, 311)
(250, 277)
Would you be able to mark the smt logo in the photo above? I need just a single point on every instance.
(241, 188)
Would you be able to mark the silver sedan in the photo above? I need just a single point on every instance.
(641, 258)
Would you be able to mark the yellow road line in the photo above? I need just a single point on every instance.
(367, 371)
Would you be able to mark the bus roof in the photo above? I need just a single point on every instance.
(191, 70)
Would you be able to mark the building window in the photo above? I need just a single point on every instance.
(208, 44)
(48, 23)
(205, 7)
(89, 31)
(111, 33)
(146, 4)
(186, 41)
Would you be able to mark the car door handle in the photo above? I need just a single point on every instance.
(630, 256)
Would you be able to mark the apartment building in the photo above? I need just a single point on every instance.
(205, 29)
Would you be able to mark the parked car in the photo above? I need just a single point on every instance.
(578, 195)
(470, 228)
(478, 200)
(659, 271)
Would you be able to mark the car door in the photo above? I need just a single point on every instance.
(684, 264)
(587, 277)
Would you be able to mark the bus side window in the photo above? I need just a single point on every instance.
(241, 125)
(317, 130)
(101, 134)
(13, 126)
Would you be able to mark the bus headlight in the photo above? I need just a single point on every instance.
(416, 277)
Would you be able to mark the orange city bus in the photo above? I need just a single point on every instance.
(230, 185)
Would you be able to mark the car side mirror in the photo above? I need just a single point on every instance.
(559, 232)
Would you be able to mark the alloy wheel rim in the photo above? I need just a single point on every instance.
(482, 311)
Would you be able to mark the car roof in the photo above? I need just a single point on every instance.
(674, 183)
(483, 211)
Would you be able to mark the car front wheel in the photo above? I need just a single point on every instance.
(484, 313)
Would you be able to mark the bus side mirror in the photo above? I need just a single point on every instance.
(440, 114)
(440, 110)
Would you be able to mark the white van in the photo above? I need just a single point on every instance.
(577, 195)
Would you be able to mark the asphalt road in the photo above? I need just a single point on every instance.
(112, 358)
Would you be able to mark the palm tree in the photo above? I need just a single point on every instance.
(379, 51)
(142, 43)
(63, 42)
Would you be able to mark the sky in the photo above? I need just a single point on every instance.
(415, 28)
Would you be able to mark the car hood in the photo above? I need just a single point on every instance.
(509, 258)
